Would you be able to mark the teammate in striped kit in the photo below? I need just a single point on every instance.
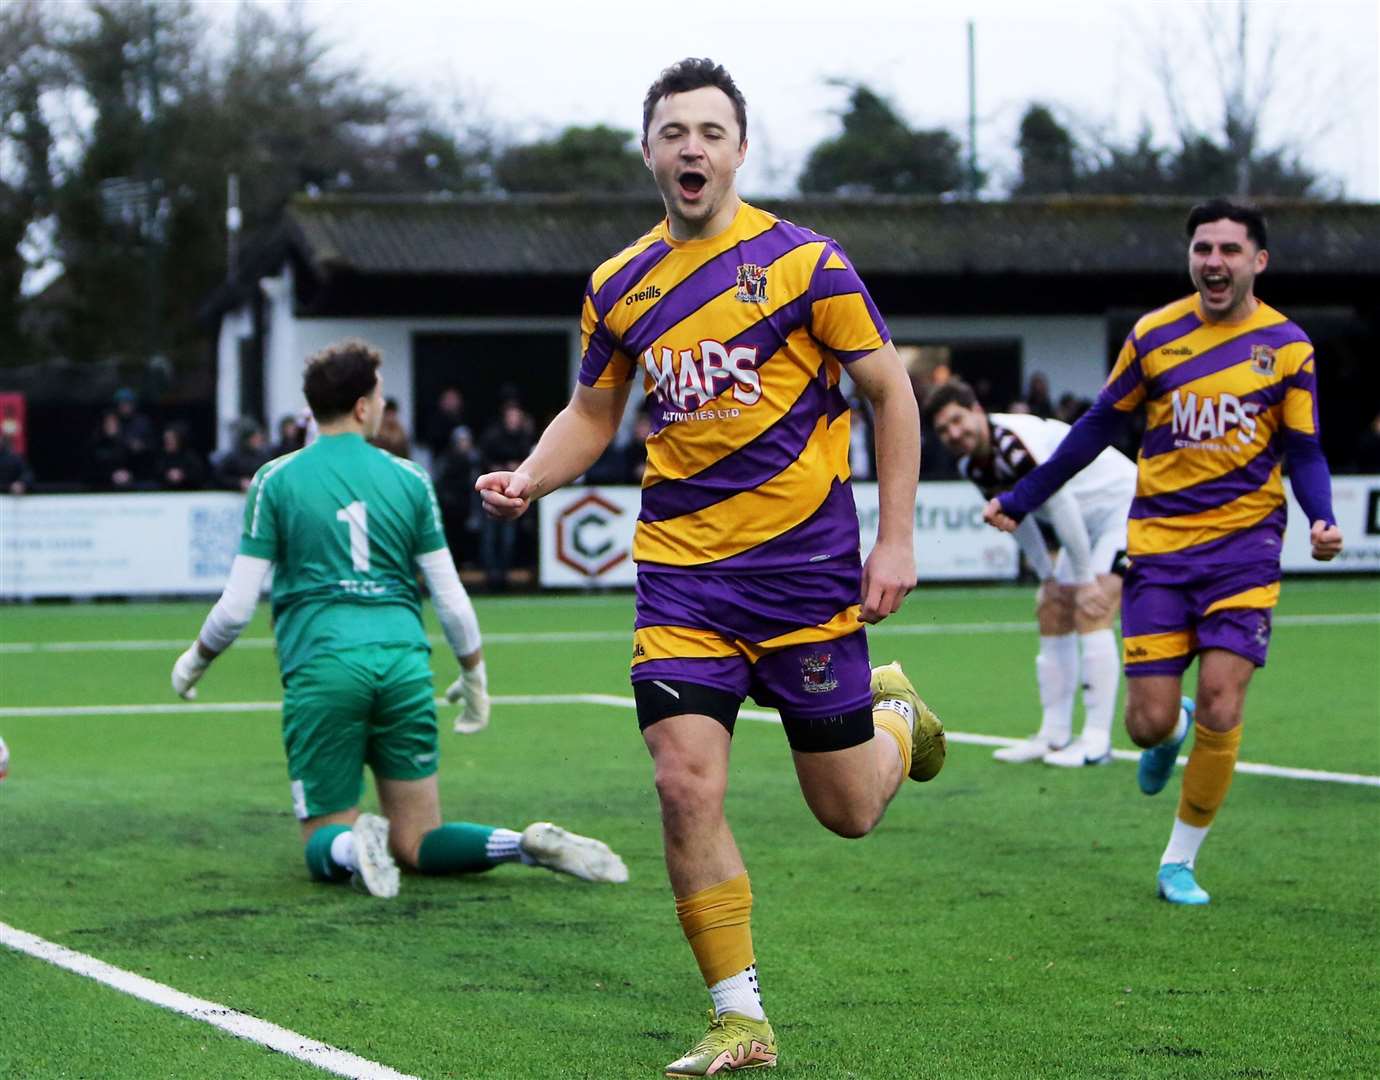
(749, 578)
(345, 527)
(1227, 384)
(1078, 590)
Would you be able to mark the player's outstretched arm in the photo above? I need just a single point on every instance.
(224, 624)
(1090, 435)
(889, 573)
(1311, 482)
(568, 447)
(460, 624)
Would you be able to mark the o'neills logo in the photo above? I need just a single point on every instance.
(651, 293)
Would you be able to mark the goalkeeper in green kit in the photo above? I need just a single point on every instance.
(345, 526)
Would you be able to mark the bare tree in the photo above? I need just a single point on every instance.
(1225, 129)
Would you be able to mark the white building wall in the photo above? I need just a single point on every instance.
(1070, 350)
(393, 338)
(234, 327)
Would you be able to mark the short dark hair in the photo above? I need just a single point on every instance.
(954, 391)
(338, 376)
(1241, 213)
(691, 74)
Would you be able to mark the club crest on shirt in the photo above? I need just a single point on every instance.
(817, 675)
(1262, 359)
(752, 284)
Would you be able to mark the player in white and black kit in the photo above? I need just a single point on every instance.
(1079, 590)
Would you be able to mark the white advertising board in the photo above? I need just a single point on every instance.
(586, 535)
(182, 544)
(117, 545)
(1356, 502)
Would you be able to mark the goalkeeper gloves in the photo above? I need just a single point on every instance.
(190, 667)
(472, 689)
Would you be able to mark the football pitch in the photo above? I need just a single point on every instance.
(1001, 922)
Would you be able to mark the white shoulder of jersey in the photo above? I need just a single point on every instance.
(1108, 480)
(1040, 437)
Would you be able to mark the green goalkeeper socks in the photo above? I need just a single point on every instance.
(319, 862)
(457, 848)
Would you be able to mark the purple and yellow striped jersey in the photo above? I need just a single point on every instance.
(741, 339)
(1219, 400)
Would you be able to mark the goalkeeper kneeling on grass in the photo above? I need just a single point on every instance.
(345, 526)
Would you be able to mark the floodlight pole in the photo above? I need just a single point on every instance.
(972, 111)
(233, 220)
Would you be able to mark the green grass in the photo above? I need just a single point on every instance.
(1000, 922)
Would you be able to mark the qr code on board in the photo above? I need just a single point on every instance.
(213, 537)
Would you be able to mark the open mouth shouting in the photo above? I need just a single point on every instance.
(691, 184)
(1216, 288)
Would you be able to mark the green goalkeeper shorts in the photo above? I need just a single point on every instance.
(370, 706)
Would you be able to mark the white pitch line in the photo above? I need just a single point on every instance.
(318, 1054)
(619, 702)
(558, 637)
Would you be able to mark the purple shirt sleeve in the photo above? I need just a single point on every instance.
(1092, 434)
(1308, 476)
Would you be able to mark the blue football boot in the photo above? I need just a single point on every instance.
(1157, 763)
(1178, 885)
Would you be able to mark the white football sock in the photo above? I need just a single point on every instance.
(343, 851)
(1180, 728)
(739, 993)
(1101, 676)
(1056, 670)
(1184, 842)
(504, 845)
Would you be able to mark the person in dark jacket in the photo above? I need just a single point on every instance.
(177, 467)
(504, 446)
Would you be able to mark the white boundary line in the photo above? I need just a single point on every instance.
(556, 637)
(318, 1054)
(618, 702)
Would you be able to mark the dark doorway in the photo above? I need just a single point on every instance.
(992, 368)
(483, 365)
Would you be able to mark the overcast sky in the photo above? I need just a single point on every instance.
(533, 67)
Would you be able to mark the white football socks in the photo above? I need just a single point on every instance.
(504, 845)
(1101, 676)
(343, 851)
(740, 994)
(1056, 670)
(1180, 728)
(1184, 842)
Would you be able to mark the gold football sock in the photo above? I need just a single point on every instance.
(715, 921)
(894, 724)
(1208, 775)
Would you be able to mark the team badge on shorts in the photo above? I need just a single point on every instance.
(817, 675)
(1262, 359)
(752, 284)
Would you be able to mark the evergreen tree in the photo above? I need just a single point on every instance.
(1046, 147)
(594, 160)
(878, 153)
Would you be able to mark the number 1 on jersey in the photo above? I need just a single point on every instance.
(357, 519)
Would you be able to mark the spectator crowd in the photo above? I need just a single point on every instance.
(128, 452)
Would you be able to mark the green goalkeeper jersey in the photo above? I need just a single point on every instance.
(343, 523)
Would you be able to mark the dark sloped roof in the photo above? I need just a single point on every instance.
(544, 235)
(404, 254)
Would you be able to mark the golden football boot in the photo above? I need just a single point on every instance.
(891, 689)
(732, 1043)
